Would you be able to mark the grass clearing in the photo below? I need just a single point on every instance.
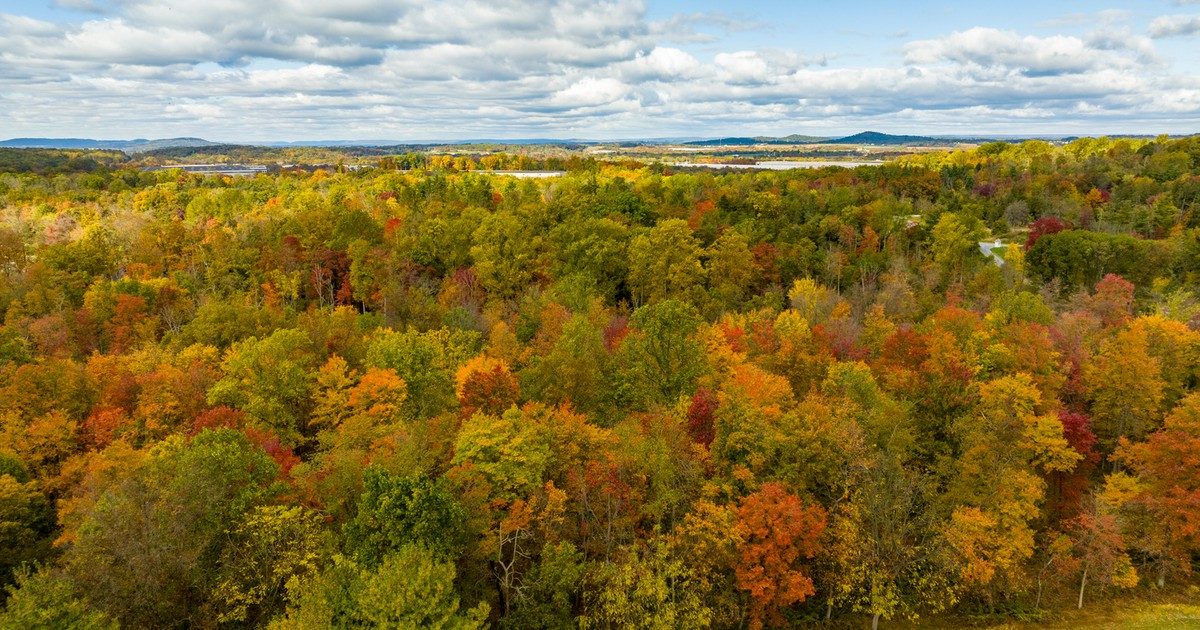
(1176, 609)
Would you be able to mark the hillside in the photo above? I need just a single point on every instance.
(868, 138)
(884, 139)
(747, 140)
(139, 145)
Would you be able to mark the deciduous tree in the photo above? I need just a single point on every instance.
(779, 531)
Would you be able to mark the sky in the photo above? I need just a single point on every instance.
(410, 70)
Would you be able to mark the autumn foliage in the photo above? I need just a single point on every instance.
(779, 532)
(635, 395)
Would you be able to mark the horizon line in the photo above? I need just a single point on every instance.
(593, 140)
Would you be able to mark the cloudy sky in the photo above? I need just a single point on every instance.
(419, 70)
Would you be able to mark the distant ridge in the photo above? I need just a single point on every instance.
(877, 138)
(65, 143)
(138, 145)
(166, 143)
(744, 141)
(143, 145)
(864, 138)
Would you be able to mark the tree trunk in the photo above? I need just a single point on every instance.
(499, 582)
(875, 622)
(1082, 584)
(829, 609)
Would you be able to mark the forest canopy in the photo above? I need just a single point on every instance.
(633, 395)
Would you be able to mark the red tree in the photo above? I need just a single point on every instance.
(1068, 488)
(778, 530)
(1043, 227)
(1113, 300)
(700, 416)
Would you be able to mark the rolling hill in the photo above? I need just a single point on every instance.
(737, 141)
(877, 138)
(138, 145)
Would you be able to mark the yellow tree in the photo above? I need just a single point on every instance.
(996, 490)
(1177, 349)
(708, 541)
(1125, 385)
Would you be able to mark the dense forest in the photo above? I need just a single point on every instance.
(628, 397)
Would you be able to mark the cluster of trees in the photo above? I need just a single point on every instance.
(624, 397)
(58, 162)
(402, 157)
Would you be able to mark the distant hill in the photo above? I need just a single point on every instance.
(865, 138)
(138, 145)
(143, 145)
(167, 143)
(887, 139)
(66, 143)
(746, 141)
(876, 138)
(800, 139)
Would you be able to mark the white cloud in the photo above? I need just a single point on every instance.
(590, 92)
(661, 64)
(744, 67)
(1174, 26)
(409, 69)
(989, 48)
(115, 41)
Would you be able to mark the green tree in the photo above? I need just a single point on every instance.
(409, 589)
(664, 263)
(882, 547)
(954, 239)
(596, 249)
(730, 268)
(271, 379)
(26, 522)
(575, 370)
(394, 511)
(148, 550)
(509, 451)
(647, 590)
(505, 253)
(42, 600)
(659, 360)
(546, 593)
(427, 362)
